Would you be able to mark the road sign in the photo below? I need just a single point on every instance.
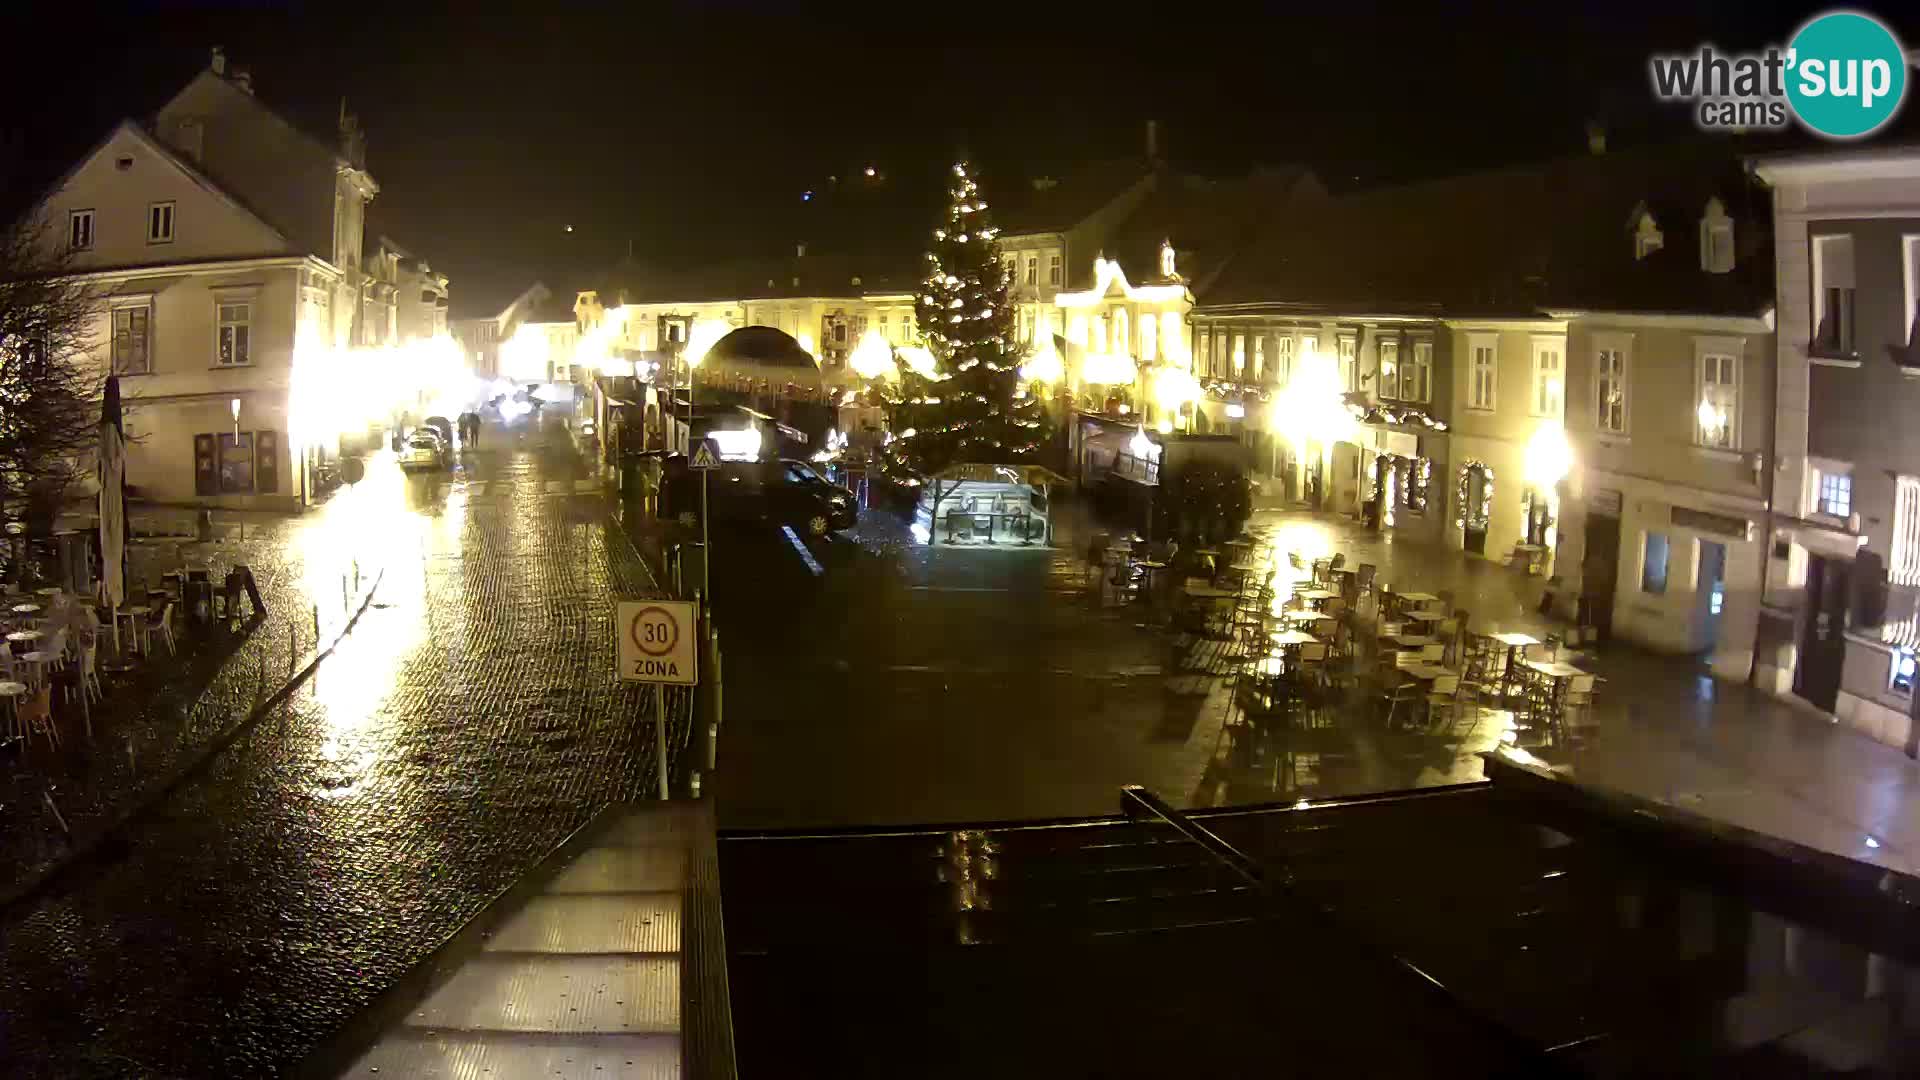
(703, 457)
(657, 641)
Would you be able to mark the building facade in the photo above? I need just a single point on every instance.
(1843, 572)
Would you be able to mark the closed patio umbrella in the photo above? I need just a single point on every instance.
(112, 474)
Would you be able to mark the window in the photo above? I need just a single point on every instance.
(1904, 566)
(132, 333)
(1610, 391)
(1203, 354)
(1832, 296)
(236, 463)
(1011, 262)
(1149, 339)
(1910, 266)
(1239, 355)
(1054, 270)
(1033, 269)
(1260, 358)
(1349, 351)
(1716, 239)
(1717, 416)
(1389, 384)
(1481, 374)
(1835, 497)
(160, 223)
(1647, 237)
(1309, 343)
(1283, 359)
(884, 332)
(1653, 564)
(1547, 385)
(236, 330)
(1416, 376)
(80, 230)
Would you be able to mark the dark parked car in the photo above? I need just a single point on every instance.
(781, 492)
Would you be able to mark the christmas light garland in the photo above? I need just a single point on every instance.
(1485, 513)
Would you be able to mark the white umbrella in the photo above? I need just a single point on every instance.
(113, 506)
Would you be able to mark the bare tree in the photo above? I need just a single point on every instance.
(49, 386)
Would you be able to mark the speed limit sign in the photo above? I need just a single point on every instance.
(657, 641)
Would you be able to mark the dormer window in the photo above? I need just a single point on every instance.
(1647, 237)
(1166, 258)
(1716, 239)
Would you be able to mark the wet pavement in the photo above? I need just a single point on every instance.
(893, 683)
(467, 725)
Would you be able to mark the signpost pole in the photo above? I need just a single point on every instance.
(660, 734)
(706, 545)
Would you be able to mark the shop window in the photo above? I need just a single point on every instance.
(246, 463)
(1653, 564)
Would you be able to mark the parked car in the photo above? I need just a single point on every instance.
(442, 427)
(782, 492)
(424, 450)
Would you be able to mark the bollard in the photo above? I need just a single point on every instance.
(55, 811)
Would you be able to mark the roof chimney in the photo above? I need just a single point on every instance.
(800, 251)
(219, 64)
(243, 80)
(1596, 138)
(1153, 140)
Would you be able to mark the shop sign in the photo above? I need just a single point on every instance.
(1605, 502)
(1717, 524)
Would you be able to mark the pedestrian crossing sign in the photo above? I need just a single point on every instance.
(703, 456)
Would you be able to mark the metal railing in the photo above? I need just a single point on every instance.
(1139, 803)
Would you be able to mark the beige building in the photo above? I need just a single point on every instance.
(226, 247)
(1565, 366)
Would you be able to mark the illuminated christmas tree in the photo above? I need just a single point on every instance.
(961, 401)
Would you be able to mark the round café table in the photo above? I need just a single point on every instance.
(13, 692)
(26, 609)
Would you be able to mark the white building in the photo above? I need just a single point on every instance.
(226, 245)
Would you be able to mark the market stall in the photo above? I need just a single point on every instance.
(981, 504)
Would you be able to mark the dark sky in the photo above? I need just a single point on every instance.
(690, 132)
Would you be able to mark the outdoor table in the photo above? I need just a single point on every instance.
(39, 659)
(1245, 567)
(1423, 616)
(21, 637)
(1290, 638)
(1153, 567)
(1208, 592)
(49, 591)
(136, 615)
(1307, 616)
(1534, 553)
(1514, 643)
(1561, 673)
(1415, 641)
(1424, 672)
(26, 609)
(13, 692)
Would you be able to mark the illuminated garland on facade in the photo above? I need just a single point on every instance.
(1485, 515)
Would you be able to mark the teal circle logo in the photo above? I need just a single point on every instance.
(1846, 74)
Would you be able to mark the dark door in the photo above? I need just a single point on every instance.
(1823, 643)
(1474, 513)
(1600, 573)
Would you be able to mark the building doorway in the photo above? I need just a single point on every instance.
(1473, 514)
(1711, 595)
(1539, 517)
(1823, 642)
(1600, 572)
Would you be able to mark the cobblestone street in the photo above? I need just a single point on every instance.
(466, 726)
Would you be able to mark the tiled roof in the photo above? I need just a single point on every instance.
(1519, 241)
(766, 278)
(1207, 221)
(1056, 204)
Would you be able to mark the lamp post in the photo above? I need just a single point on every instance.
(235, 406)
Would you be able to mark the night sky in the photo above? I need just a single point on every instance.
(690, 133)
